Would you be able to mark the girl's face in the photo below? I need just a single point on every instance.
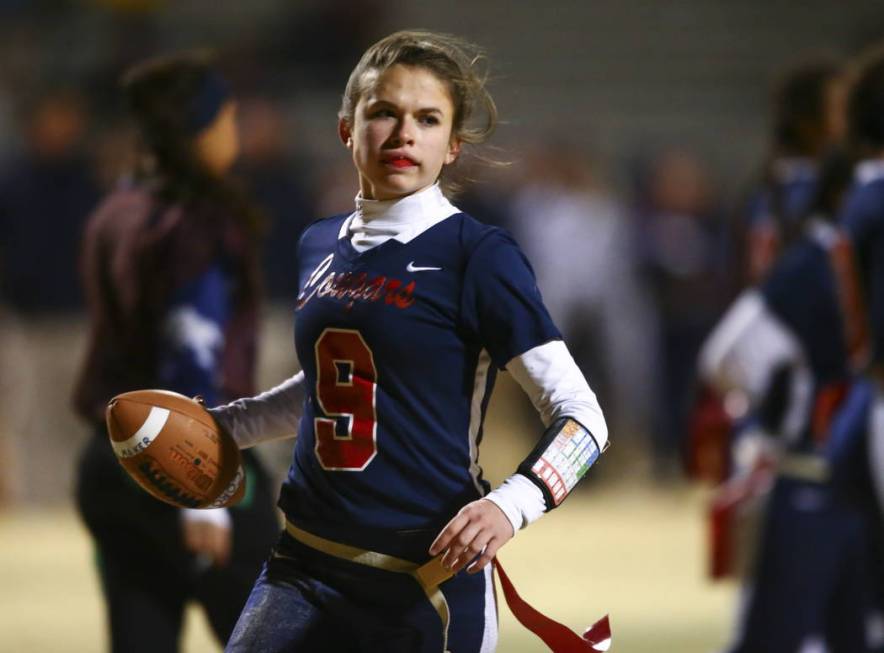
(400, 136)
(217, 146)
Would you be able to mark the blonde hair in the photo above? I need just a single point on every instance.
(460, 65)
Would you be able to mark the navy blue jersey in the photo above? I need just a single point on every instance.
(862, 216)
(399, 346)
(784, 201)
(802, 291)
(192, 336)
(790, 197)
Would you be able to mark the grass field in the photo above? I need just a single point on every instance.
(635, 552)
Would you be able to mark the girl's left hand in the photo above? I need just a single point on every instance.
(479, 528)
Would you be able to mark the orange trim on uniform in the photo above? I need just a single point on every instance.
(826, 403)
(856, 326)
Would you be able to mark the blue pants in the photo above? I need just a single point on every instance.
(810, 577)
(854, 476)
(306, 601)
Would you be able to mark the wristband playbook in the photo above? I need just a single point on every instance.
(561, 458)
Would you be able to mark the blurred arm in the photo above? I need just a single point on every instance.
(208, 534)
(746, 349)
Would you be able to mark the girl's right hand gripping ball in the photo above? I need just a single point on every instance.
(174, 449)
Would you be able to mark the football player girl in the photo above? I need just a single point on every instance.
(407, 309)
(169, 263)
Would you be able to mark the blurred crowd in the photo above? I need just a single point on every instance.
(636, 264)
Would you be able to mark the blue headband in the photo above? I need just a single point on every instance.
(211, 96)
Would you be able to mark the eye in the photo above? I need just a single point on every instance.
(383, 113)
(429, 119)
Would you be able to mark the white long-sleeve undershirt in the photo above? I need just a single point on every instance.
(271, 415)
(557, 388)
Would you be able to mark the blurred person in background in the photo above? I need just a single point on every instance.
(859, 456)
(807, 108)
(46, 193)
(577, 236)
(797, 336)
(684, 259)
(807, 122)
(790, 345)
(171, 274)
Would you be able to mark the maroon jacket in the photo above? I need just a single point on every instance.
(136, 252)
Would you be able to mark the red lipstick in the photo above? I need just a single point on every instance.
(400, 161)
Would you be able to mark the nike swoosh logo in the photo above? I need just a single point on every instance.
(411, 267)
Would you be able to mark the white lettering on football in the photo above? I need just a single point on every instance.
(142, 438)
(230, 490)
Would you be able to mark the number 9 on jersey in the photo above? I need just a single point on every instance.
(346, 383)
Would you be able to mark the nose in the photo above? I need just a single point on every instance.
(404, 133)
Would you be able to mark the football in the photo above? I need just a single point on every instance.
(174, 449)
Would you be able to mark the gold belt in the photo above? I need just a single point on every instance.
(805, 467)
(429, 575)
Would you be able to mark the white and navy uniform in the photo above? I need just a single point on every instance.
(860, 451)
(787, 346)
(407, 310)
(862, 216)
(782, 201)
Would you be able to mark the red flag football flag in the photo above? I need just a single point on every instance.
(558, 637)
